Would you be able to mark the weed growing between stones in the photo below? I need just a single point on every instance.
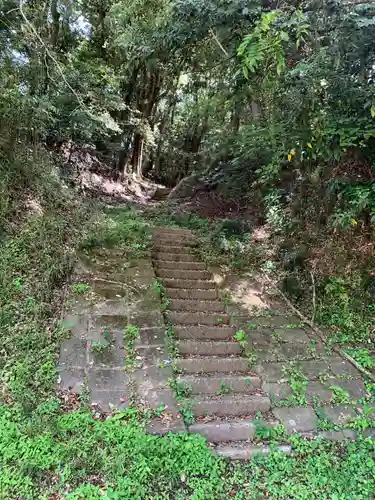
(131, 334)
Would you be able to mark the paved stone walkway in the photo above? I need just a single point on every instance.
(97, 358)
(233, 366)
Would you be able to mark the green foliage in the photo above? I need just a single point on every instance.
(35, 256)
(264, 47)
(131, 334)
(241, 338)
(339, 395)
(126, 461)
(99, 347)
(344, 306)
(125, 229)
(224, 389)
(298, 384)
(80, 288)
(363, 356)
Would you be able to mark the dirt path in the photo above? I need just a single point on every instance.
(236, 375)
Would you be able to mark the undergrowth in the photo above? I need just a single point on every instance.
(74, 456)
(41, 230)
(48, 451)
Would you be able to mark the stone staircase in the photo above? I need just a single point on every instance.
(211, 362)
(227, 392)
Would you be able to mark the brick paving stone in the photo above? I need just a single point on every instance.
(296, 419)
(151, 337)
(277, 391)
(341, 366)
(268, 321)
(110, 400)
(111, 357)
(144, 319)
(151, 378)
(317, 390)
(73, 353)
(339, 415)
(111, 308)
(107, 380)
(272, 372)
(313, 369)
(77, 325)
(161, 399)
(355, 388)
(71, 379)
(293, 335)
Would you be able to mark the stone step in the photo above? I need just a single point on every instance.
(214, 365)
(181, 318)
(209, 348)
(188, 284)
(166, 239)
(192, 266)
(196, 305)
(176, 293)
(204, 332)
(170, 230)
(187, 275)
(176, 257)
(236, 451)
(172, 248)
(214, 384)
(218, 431)
(233, 405)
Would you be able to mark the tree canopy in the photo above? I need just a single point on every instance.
(244, 93)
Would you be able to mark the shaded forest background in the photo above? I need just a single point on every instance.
(267, 105)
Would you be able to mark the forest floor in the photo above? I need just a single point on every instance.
(154, 339)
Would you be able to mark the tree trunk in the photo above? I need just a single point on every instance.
(55, 23)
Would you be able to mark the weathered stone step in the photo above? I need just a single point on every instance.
(214, 365)
(234, 451)
(166, 239)
(176, 293)
(218, 431)
(170, 230)
(209, 348)
(204, 332)
(177, 257)
(187, 275)
(233, 405)
(180, 318)
(172, 248)
(185, 284)
(193, 266)
(215, 383)
(196, 305)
